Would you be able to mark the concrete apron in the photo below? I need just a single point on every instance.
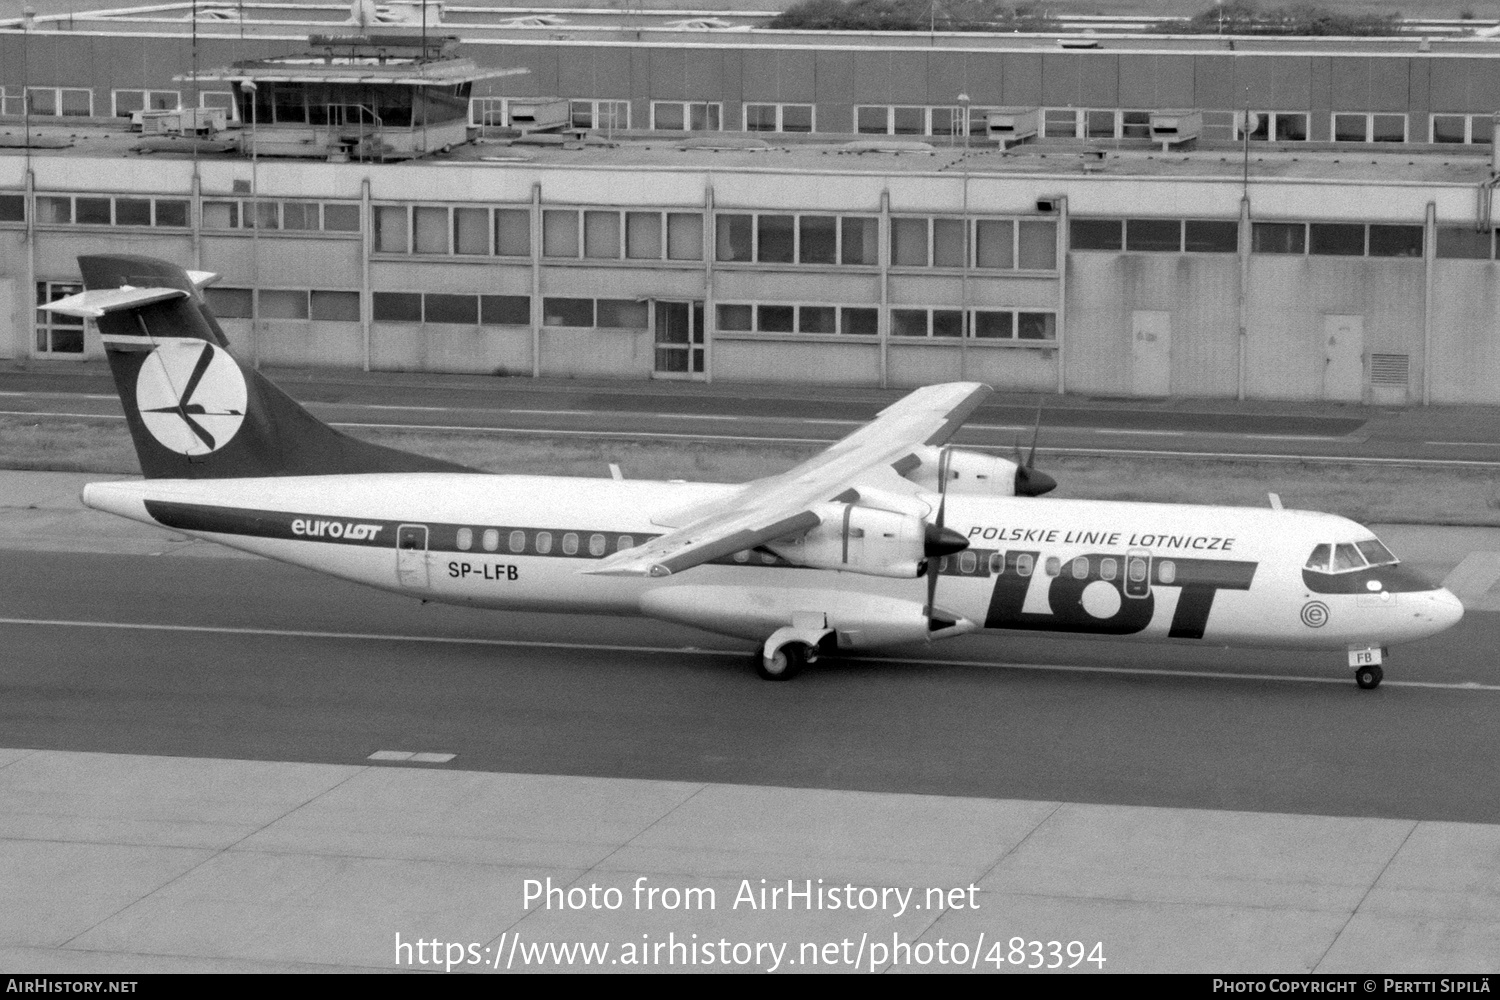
(118, 863)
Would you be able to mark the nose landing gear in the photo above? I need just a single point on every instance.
(1369, 677)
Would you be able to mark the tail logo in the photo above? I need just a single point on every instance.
(191, 396)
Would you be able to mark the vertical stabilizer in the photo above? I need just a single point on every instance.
(194, 411)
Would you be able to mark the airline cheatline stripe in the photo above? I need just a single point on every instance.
(563, 543)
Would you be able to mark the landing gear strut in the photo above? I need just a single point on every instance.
(784, 664)
(1369, 677)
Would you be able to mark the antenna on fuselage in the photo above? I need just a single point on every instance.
(614, 471)
(1275, 500)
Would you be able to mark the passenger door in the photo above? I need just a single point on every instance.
(411, 556)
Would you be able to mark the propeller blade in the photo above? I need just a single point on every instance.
(1030, 482)
(1035, 435)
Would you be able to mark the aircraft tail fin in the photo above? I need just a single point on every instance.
(193, 410)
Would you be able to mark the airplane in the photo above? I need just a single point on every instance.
(889, 536)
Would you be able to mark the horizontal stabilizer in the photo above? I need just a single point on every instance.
(97, 302)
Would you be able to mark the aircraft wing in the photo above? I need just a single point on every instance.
(782, 505)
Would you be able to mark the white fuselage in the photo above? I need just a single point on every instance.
(1225, 575)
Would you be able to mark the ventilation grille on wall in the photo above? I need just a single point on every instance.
(1389, 369)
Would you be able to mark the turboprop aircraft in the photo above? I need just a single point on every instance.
(886, 537)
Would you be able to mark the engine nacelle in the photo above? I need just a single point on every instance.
(860, 540)
(970, 473)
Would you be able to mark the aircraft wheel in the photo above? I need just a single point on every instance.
(1369, 677)
(785, 664)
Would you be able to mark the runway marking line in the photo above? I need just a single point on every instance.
(698, 651)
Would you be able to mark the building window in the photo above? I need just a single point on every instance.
(605, 115)
(601, 235)
(512, 232)
(567, 312)
(1336, 239)
(106, 211)
(687, 116)
(12, 208)
(1463, 128)
(1208, 236)
(779, 118)
(1369, 128)
(229, 303)
(505, 310)
(1272, 126)
(301, 216)
(909, 242)
(560, 233)
(1395, 241)
(684, 236)
(859, 240)
(283, 303)
(493, 111)
(56, 333)
(1153, 235)
(1278, 237)
(127, 102)
(1061, 123)
(907, 120)
(220, 99)
(734, 237)
(335, 307)
(71, 102)
(460, 310)
(396, 307)
(1095, 234)
(621, 314)
(799, 319)
(1463, 243)
(11, 101)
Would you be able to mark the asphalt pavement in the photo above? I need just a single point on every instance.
(1467, 435)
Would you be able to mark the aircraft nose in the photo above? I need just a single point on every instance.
(1448, 610)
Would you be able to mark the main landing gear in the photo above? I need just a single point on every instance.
(787, 662)
(1369, 677)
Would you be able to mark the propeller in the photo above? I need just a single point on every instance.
(937, 542)
(1030, 482)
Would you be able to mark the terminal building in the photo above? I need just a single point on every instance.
(1122, 214)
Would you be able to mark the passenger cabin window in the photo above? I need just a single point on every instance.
(544, 542)
(1081, 568)
(1024, 564)
(1108, 569)
(518, 541)
(1054, 565)
(465, 539)
(968, 562)
(1166, 572)
(490, 539)
(997, 563)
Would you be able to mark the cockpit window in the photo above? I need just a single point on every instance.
(1375, 553)
(1346, 557)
